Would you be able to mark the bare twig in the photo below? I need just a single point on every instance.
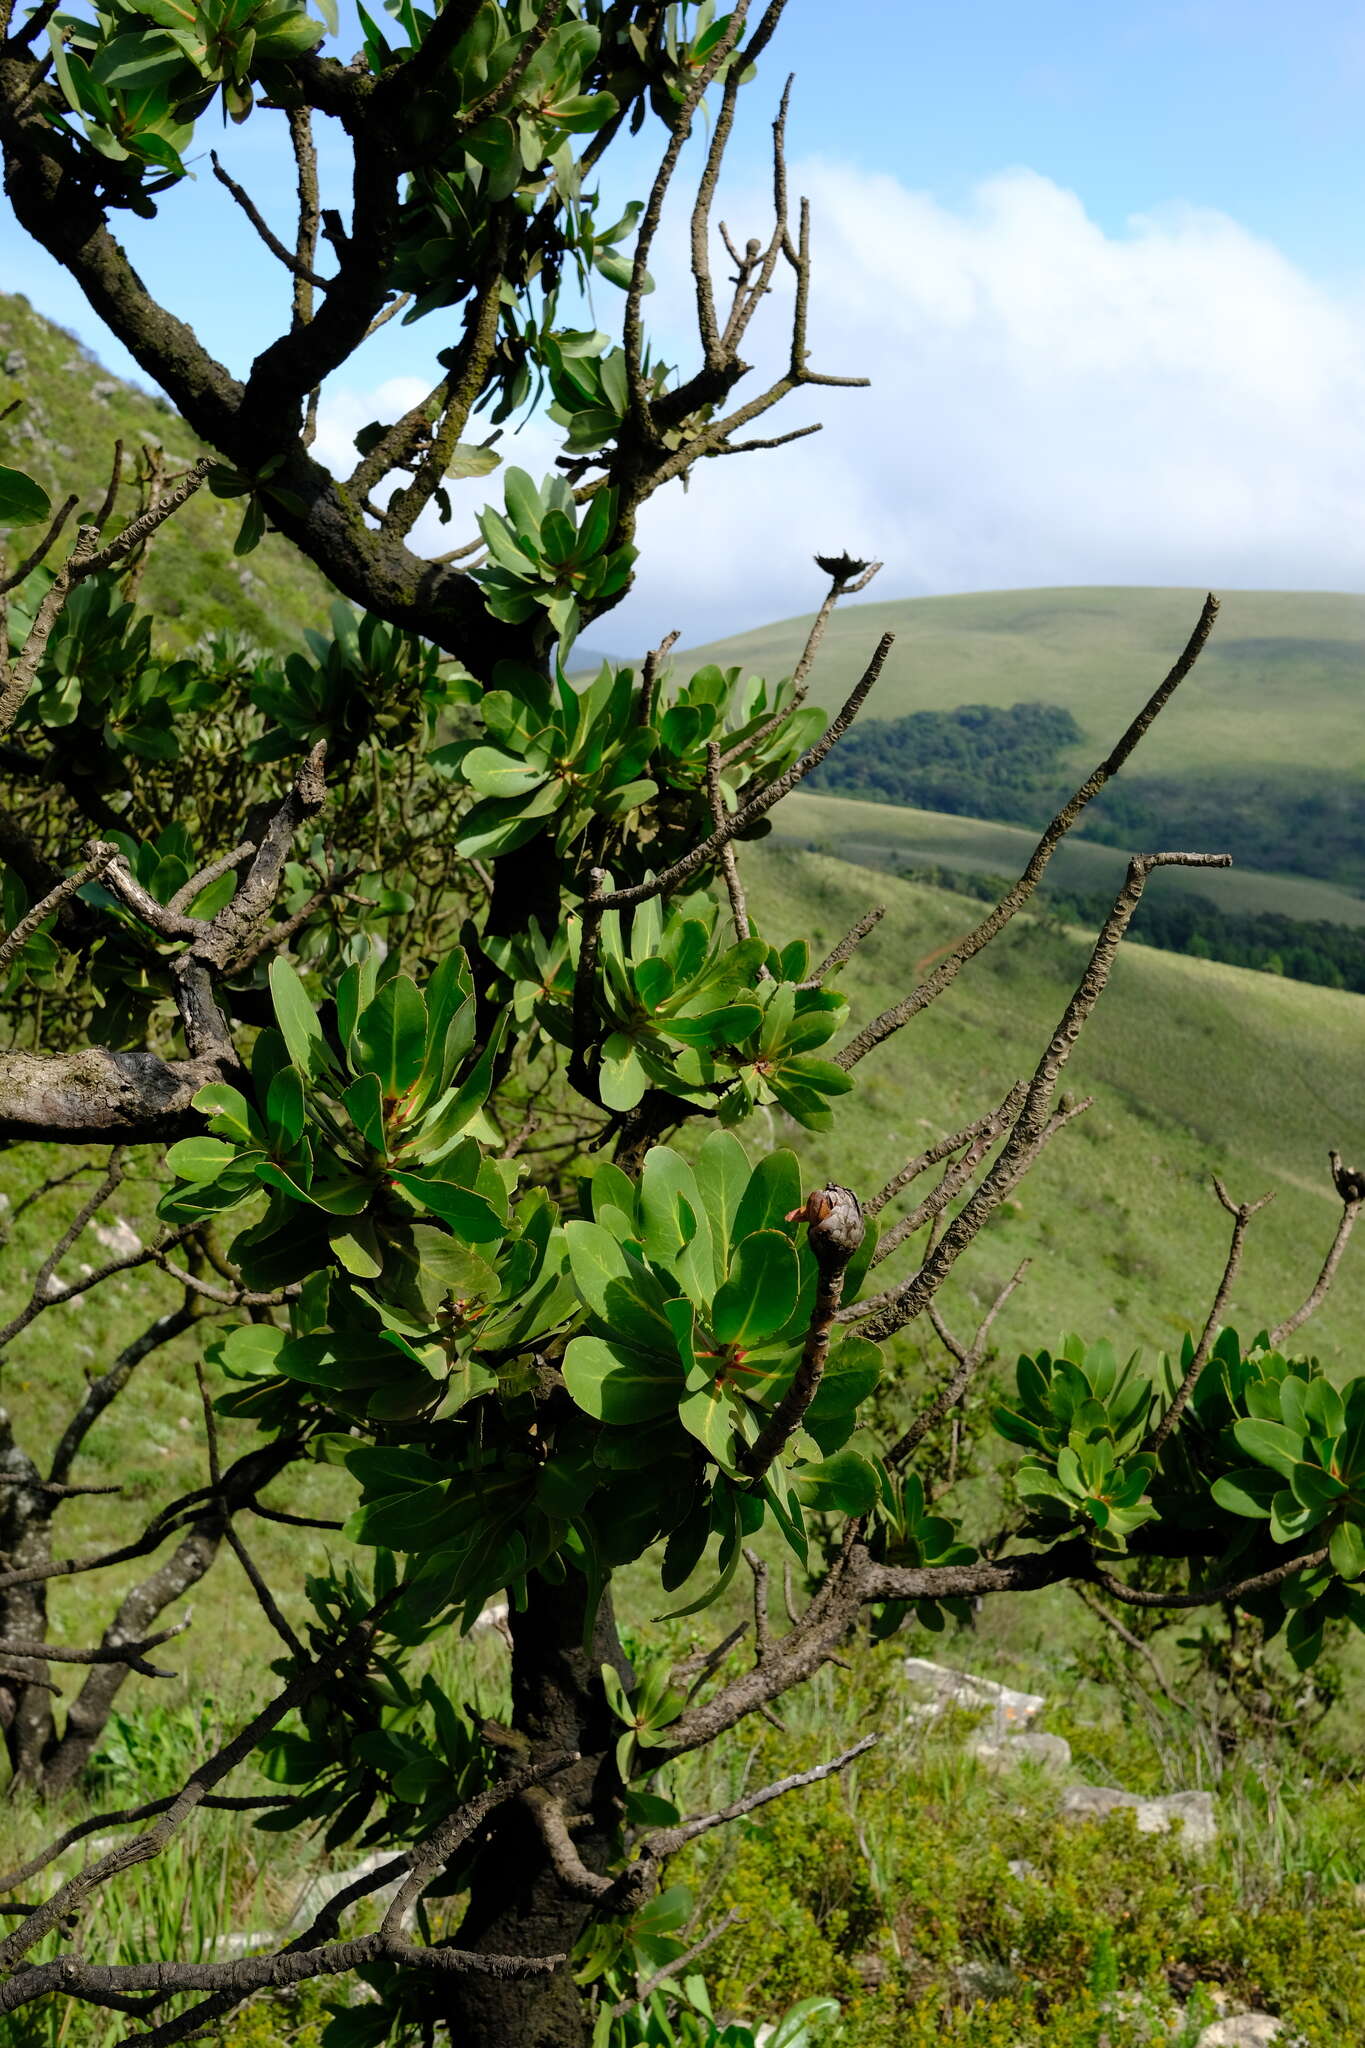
(266, 1598)
(134, 1655)
(1350, 1185)
(763, 1636)
(834, 1232)
(1209, 1596)
(1132, 1642)
(29, 923)
(846, 947)
(302, 271)
(1241, 1214)
(180, 904)
(703, 1662)
(947, 971)
(668, 1841)
(127, 1816)
(729, 865)
(573, 1874)
(968, 1365)
(45, 1297)
(943, 1148)
(1034, 1122)
(646, 1991)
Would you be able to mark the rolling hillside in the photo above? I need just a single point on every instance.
(63, 432)
(889, 835)
(1196, 1068)
(1281, 684)
(1262, 750)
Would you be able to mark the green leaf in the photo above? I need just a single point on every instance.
(200, 1159)
(622, 1080)
(1315, 1488)
(620, 1290)
(391, 1036)
(774, 1190)
(759, 1297)
(1249, 1492)
(284, 1108)
(22, 501)
(343, 1364)
(1347, 1550)
(469, 459)
(298, 1022)
(845, 1482)
(470, 1215)
(523, 502)
(494, 773)
(230, 1114)
(617, 1384)
(711, 1412)
(722, 1171)
(1270, 1443)
(252, 1351)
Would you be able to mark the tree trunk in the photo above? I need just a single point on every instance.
(65, 1757)
(517, 1905)
(25, 1539)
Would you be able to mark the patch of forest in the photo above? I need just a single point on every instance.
(978, 761)
(1327, 955)
(1017, 764)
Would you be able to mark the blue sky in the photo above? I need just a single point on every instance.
(1104, 263)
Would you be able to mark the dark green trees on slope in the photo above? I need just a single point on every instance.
(431, 976)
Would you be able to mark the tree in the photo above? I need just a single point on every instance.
(493, 902)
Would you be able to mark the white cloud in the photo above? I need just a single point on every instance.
(1051, 404)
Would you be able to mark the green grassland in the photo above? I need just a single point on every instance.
(1260, 751)
(1279, 686)
(892, 835)
(73, 411)
(1196, 1068)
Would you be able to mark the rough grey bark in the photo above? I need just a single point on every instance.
(93, 1096)
(25, 1539)
(518, 1905)
(64, 1758)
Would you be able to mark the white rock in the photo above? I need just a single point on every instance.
(118, 1237)
(493, 1617)
(1248, 2030)
(1009, 1709)
(1193, 1810)
(1049, 1752)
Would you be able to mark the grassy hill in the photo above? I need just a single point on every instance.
(1278, 686)
(891, 835)
(72, 413)
(1196, 1068)
(1261, 751)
